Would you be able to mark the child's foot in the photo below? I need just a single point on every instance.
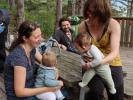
(81, 84)
(112, 91)
(61, 98)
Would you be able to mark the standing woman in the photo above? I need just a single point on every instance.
(20, 64)
(105, 32)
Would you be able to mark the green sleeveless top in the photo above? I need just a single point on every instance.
(104, 45)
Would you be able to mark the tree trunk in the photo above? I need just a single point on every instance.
(58, 12)
(69, 7)
(48, 5)
(81, 6)
(130, 8)
(11, 3)
(73, 7)
(20, 12)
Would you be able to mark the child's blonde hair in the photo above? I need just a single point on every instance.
(49, 59)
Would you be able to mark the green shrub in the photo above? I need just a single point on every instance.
(46, 21)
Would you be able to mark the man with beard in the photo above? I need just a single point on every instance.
(64, 35)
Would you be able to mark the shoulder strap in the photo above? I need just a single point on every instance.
(105, 28)
(87, 29)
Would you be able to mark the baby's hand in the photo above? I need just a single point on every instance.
(87, 58)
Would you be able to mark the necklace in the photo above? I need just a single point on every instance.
(27, 53)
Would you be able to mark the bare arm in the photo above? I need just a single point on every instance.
(115, 33)
(38, 56)
(19, 84)
(57, 73)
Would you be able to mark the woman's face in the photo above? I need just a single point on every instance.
(85, 48)
(91, 12)
(35, 39)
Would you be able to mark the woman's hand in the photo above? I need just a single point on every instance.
(56, 88)
(61, 83)
(60, 46)
(87, 58)
(86, 66)
(63, 47)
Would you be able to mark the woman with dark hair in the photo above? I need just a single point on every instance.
(105, 32)
(20, 64)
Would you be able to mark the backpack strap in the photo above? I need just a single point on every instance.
(5, 15)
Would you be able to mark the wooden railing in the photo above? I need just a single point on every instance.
(126, 31)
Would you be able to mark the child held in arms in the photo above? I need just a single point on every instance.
(90, 58)
(47, 75)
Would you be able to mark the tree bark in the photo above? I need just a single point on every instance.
(20, 12)
(11, 3)
(58, 12)
(73, 7)
(81, 7)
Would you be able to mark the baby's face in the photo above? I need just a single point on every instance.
(85, 48)
(54, 63)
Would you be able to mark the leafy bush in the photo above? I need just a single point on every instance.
(46, 20)
(4, 4)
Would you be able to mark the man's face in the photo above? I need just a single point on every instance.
(65, 25)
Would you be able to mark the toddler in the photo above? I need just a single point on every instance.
(47, 75)
(91, 57)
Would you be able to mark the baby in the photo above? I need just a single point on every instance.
(47, 75)
(91, 55)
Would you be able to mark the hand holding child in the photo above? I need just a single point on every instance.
(61, 83)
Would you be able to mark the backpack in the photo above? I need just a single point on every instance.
(4, 23)
(75, 20)
(4, 20)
